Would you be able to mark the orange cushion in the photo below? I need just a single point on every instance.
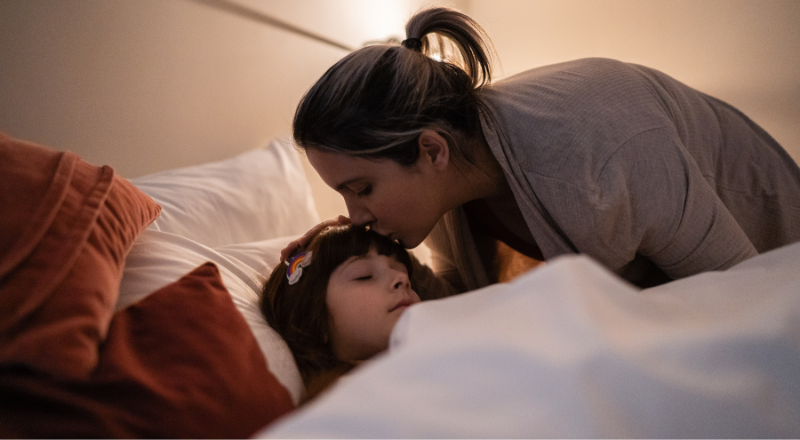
(65, 229)
(181, 363)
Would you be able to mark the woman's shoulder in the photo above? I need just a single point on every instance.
(572, 114)
(587, 79)
(579, 69)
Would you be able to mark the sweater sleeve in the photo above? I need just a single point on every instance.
(650, 199)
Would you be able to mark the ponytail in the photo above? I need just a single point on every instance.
(474, 50)
(376, 101)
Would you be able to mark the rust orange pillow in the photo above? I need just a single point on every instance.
(65, 229)
(180, 363)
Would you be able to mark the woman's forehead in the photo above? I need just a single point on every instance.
(338, 170)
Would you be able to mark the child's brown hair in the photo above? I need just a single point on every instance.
(299, 313)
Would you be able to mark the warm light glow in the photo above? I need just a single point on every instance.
(380, 20)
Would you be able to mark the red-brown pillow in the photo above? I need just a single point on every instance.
(65, 229)
(181, 363)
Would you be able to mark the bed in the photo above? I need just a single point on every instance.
(129, 309)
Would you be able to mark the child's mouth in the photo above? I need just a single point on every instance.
(402, 304)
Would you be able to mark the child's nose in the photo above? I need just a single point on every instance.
(401, 280)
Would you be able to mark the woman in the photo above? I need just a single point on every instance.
(655, 180)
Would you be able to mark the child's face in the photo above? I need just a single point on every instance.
(366, 296)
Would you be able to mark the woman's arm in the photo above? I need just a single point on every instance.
(301, 242)
(652, 200)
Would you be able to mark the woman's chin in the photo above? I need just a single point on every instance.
(409, 240)
(409, 243)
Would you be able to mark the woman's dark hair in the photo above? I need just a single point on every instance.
(299, 312)
(376, 101)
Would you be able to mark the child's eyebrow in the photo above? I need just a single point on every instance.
(353, 259)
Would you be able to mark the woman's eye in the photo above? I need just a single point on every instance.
(365, 192)
(364, 278)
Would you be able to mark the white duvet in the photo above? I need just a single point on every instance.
(570, 350)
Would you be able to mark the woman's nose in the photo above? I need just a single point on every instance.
(359, 215)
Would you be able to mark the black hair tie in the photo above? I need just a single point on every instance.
(414, 44)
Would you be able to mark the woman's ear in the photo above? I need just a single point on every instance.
(434, 148)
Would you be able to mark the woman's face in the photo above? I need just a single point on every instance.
(402, 203)
(366, 296)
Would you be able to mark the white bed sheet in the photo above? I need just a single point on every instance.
(571, 350)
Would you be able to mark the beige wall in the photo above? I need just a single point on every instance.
(746, 52)
(148, 85)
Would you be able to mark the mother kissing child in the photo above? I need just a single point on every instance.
(651, 178)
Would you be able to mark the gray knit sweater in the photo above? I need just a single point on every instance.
(633, 168)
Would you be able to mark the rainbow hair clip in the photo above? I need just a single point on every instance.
(295, 266)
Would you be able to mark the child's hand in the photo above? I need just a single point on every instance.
(306, 238)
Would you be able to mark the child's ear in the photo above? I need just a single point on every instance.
(434, 148)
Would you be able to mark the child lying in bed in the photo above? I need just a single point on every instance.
(336, 302)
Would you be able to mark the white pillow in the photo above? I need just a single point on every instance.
(259, 194)
(238, 213)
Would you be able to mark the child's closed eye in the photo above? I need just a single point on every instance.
(363, 278)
